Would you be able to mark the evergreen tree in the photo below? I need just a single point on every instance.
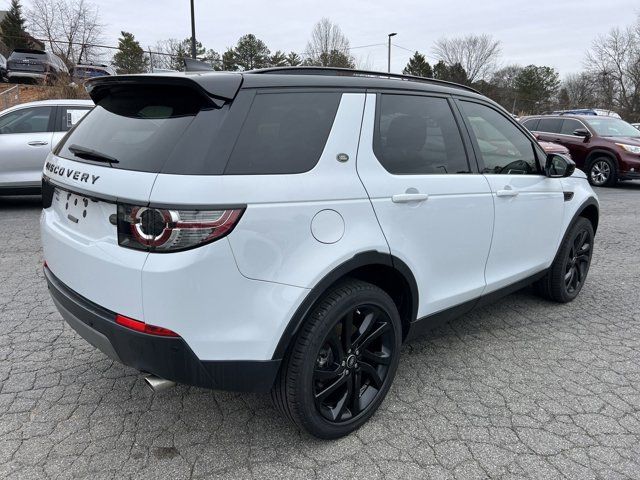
(12, 32)
(251, 53)
(130, 57)
(229, 62)
(293, 59)
(278, 59)
(418, 66)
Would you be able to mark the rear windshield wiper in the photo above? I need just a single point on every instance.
(89, 154)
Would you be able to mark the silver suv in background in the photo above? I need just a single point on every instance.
(28, 132)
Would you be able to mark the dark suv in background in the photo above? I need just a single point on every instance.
(606, 148)
(3, 68)
(35, 66)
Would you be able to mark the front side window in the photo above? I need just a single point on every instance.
(503, 147)
(284, 133)
(27, 120)
(418, 135)
(569, 126)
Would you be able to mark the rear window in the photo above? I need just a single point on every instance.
(137, 125)
(284, 133)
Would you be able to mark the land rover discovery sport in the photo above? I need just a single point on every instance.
(286, 230)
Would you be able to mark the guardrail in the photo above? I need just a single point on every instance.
(10, 97)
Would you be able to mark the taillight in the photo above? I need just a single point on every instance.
(168, 230)
(139, 326)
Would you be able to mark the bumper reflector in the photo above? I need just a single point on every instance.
(139, 326)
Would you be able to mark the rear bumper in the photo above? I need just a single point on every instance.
(167, 357)
(12, 74)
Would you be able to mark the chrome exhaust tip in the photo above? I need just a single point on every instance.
(157, 384)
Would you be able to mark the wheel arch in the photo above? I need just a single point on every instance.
(381, 269)
(600, 152)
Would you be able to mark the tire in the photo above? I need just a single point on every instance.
(323, 368)
(569, 270)
(602, 172)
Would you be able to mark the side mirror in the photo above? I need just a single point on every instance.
(559, 166)
(582, 132)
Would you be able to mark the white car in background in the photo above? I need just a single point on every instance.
(637, 125)
(28, 133)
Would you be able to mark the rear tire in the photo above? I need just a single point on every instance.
(569, 270)
(331, 382)
(602, 172)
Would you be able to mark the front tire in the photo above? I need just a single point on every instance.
(342, 362)
(602, 172)
(569, 270)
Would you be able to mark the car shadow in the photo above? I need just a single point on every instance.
(20, 202)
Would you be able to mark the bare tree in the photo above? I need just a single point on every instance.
(71, 28)
(579, 90)
(328, 46)
(614, 64)
(478, 54)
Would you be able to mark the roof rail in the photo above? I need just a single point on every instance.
(348, 72)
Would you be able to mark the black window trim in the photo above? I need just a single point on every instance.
(537, 149)
(474, 167)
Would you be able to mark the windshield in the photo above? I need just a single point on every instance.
(613, 127)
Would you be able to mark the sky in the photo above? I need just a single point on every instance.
(555, 33)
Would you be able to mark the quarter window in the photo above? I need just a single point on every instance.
(418, 135)
(503, 147)
(284, 133)
(27, 120)
(71, 116)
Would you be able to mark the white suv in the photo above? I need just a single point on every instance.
(287, 230)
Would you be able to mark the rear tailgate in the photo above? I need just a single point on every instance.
(80, 243)
(113, 155)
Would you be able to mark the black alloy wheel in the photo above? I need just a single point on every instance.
(568, 272)
(352, 363)
(577, 263)
(342, 362)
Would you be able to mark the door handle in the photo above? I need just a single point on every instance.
(409, 197)
(507, 192)
(38, 143)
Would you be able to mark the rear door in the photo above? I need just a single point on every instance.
(529, 207)
(435, 209)
(25, 141)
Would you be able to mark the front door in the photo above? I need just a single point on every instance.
(435, 209)
(529, 207)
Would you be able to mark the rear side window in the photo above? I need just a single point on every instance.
(284, 133)
(550, 125)
(531, 124)
(69, 116)
(418, 135)
(137, 125)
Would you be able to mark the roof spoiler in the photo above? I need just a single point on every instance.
(219, 87)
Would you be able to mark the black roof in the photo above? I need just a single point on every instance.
(225, 85)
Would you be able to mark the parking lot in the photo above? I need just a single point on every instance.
(523, 388)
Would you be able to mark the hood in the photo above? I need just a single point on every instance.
(629, 140)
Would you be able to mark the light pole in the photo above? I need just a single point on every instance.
(193, 32)
(389, 52)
